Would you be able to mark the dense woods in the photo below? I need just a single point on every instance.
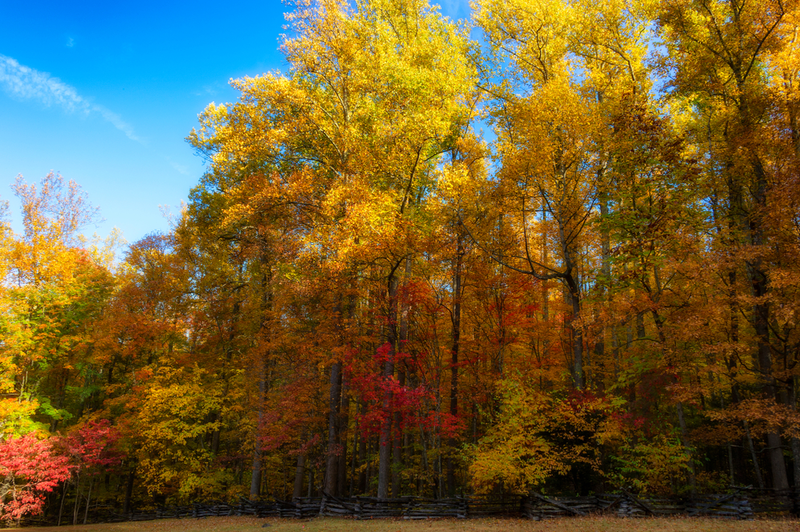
(556, 249)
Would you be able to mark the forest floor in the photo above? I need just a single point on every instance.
(577, 524)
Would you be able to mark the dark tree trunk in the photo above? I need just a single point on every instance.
(332, 459)
(385, 441)
(126, 505)
(265, 336)
(362, 458)
(341, 484)
(255, 478)
(454, 352)
(397, 442)
(299, 472)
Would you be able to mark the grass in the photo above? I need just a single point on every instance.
(575, 524)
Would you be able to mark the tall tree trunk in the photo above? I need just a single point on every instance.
(397, 441)
(498, 364)
(385, 441)
(88, 501)
(215, 435)
(63, 498)
(572, 296)
(687, 447)
(604, 292)
(454, 352)
(545, 286)
(760, 283)
(362, 459)
(355, 462)
(332, 458)
(793, 106)
(299, 472)
(224, 374)
(368, 472)
(261, 368)
(126, 505)
(402, 345)
(77, 499)
(255, 478)
(761, 319)
(753, 455)
(344, 414)
(574, 300)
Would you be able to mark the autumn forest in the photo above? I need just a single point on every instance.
(555, 248)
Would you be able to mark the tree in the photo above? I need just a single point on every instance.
(362, 147)
(718, 52)
(29, 468)
(55, 287)
(92, 451)
(565, 69)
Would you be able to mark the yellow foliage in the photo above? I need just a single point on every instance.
(172, 431)
(537, 437)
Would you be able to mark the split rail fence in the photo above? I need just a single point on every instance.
(738, 505)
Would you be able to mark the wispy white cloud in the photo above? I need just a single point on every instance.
(117, 122)
(180, 168)
(70, 42)
(26, 83)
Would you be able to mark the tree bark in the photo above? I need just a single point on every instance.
(397, 443)
(385, 441)
(332, 458)
(255, 478)
(77, 499)
(344, 414)
(299, 472)
(88, 500)
(126, 505)
(64, 496)
(265, 337)
(454, 352)
(362, 458)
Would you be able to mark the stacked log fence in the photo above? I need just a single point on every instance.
(743, 503)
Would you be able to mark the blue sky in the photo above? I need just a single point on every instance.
(106, 92)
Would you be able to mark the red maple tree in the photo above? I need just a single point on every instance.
(29, 468)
